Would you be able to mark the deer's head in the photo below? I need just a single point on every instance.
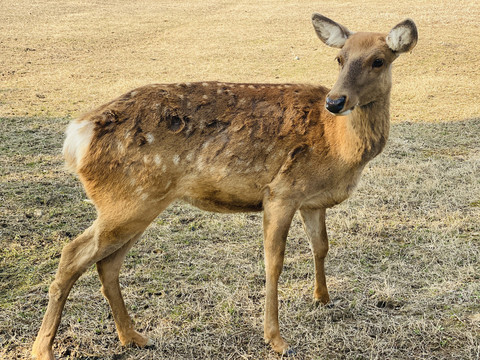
(365, 61)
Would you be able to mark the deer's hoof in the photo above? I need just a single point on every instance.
(290, 351)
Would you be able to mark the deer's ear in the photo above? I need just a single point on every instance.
(403, 37)
(330, 32)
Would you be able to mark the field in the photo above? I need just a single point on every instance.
(403, 267)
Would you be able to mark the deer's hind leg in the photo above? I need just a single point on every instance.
(109, 234)
(108, 271)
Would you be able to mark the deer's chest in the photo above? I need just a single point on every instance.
(333, 188)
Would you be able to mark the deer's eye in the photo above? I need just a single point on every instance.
(339, 60)
(378, 63)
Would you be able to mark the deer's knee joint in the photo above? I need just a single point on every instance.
(55, 292)
(321, 251)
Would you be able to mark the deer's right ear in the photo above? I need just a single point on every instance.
(330, 32)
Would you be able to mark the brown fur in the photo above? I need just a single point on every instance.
(228, 148)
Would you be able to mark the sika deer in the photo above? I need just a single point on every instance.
(228, 148)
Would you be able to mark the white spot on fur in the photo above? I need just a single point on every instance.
(205, 97)
(127, 134)
(201, 164)
(181, 96)
(206, 144)
(150, 138)
(164, 168)
(219, 91)
(133, 93)
(120, 147)
(157, 160)
(146, 159)
(251, 87)
(188, 84)
(138, 190)
(258, 168)
(133, 181)
(176, 159)
(204, 84)
(270, 148)
(189, 157)
(78, 137)
(167, 185)
(242, 86)
(144, 196)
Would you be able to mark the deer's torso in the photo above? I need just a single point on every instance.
(219, 146)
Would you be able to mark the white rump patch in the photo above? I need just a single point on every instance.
(78, 138)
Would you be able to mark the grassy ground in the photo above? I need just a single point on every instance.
(403, 266)
(402, 270)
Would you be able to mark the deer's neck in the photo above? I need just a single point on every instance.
(366, 131)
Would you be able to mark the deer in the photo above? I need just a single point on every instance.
(227, 147)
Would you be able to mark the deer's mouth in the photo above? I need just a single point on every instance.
(346, 112)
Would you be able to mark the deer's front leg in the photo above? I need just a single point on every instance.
(276, 222)
(314, 224)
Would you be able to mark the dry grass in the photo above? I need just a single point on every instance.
(402, 270)
(403, 266)
(60, 58)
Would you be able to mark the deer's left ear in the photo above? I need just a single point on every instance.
(403, 37)
(330, 32)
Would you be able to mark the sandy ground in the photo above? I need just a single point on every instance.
(62, 58)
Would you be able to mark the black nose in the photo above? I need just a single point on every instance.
(335, 105)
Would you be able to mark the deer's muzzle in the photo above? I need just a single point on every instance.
(335, 106)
